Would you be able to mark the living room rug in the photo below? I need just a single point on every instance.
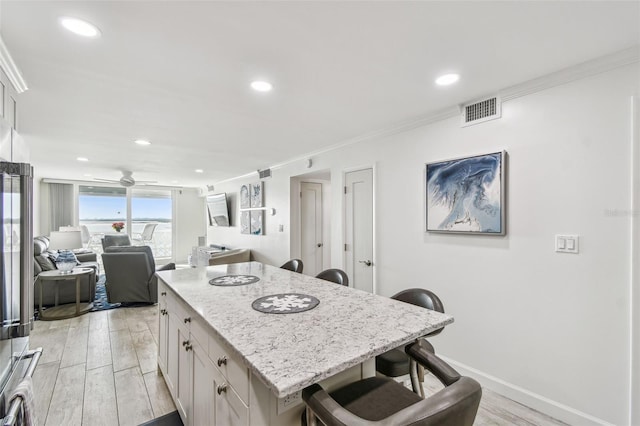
(100, 302)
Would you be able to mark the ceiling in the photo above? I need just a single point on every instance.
(177, 73)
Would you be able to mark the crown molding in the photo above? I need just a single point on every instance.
(11, 69)
(586, 69)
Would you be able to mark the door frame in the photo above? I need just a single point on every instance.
(374, 218)
(323, 219)
(295, 234)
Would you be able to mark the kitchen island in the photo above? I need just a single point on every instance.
(227, 363)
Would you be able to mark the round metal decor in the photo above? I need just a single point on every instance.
(234, 280)
(285, 303)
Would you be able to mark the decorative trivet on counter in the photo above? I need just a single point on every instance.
(285, 303)
(233, 280)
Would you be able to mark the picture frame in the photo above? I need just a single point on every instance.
(257, 222)
(257, 194)
(466, 195)
(245, 222)
(245, 196)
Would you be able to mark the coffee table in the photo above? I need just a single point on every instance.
(67, 310)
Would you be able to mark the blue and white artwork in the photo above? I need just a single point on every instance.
(466, 195)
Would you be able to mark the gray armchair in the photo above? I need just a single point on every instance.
(130, 274)
(111, 240)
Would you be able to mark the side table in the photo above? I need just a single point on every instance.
(68, 310)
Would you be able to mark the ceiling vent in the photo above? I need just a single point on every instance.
(266, 173)
(481, 111)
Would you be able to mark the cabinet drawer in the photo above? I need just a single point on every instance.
(182, 313)
(199, 332)
(163, 290)
(231, 367)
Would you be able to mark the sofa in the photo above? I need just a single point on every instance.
(43, 261)
(230, 256)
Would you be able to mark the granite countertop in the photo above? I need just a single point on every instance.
(289, 352)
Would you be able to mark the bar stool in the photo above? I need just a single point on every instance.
(294, 265)
(383, 401)
(395, 363)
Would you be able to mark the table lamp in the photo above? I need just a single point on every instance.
(66, 240)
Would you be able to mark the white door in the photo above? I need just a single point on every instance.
(359, 229)
(311, 227)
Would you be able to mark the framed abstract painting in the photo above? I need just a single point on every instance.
(466, 195)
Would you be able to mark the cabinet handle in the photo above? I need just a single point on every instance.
(222, 361)
(188, 348)
(186, 320)
(164, 293)
(222, 389)
(185, 342)
(163, 311)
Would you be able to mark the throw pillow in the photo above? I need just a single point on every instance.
(45, 262)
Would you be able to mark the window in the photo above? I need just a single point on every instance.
(100, 206)
(153, 207)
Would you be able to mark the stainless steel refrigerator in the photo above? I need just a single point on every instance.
(16, 280)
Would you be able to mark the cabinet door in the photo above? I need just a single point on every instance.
(183, 384)
(229, 410)
(163, 334)
(173, 350)
(203, 406)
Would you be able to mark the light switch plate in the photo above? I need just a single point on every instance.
(567, 243)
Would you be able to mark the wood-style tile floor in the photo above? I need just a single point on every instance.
(101, 369)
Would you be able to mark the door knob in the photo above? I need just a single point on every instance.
(319, 244)
(366, 262)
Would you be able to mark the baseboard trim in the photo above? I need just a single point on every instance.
(530, 399)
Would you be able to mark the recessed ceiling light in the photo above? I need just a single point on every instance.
(80, 27)
(447, 79)
(199, 171)
(142, 142)
(261, 86)
(82, 159)
(87, 175)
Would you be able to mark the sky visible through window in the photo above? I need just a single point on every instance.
(115, 208)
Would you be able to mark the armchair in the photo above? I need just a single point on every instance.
(130, 274)
(110, 240)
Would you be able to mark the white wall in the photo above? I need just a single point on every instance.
(548, 329)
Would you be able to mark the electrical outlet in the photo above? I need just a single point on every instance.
(567, 243)
(289, 401)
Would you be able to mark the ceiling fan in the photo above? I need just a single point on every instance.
(126, 180)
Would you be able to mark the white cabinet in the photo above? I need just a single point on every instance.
(12, 146)
(163, 319)
(202, 389)
(208, 382)
(230, 409)
(203, 412)
(185, 379)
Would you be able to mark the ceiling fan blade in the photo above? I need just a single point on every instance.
(107, 180)
(146, 181)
